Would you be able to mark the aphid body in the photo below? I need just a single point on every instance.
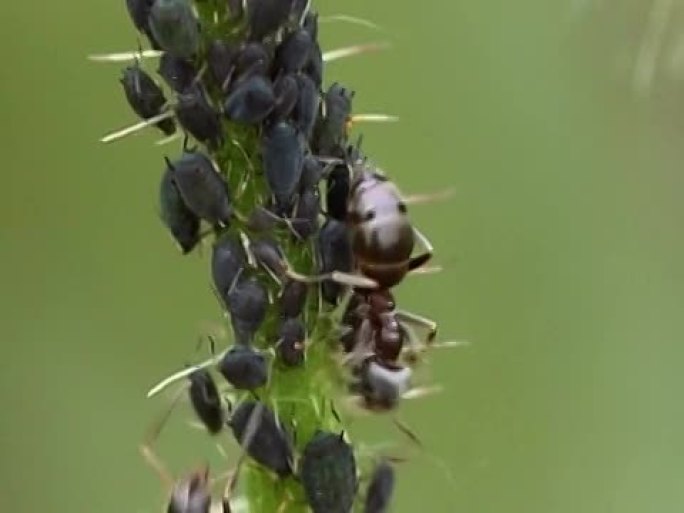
(205, 400)
(175, 28)
(183, 224)
(328, 473)
(145, 97)
(380, 489)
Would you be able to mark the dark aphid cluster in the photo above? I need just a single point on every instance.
(301, 227)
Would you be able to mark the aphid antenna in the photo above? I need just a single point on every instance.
(166, 140)
(129, 130)
(407, 431)
(184, 373)
(305, 11)
(352, 20)
(125, 56)
(373, 118)
(350, 51)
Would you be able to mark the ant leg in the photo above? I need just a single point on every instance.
(146, 448)
(421, 259)
(417, 320)
(348, 279)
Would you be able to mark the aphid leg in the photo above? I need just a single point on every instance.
(183, 373)
(407, 431)
(372, 118)
(349, 51)
(305, 11)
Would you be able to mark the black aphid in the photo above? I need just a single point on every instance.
(330, 133)
(314, 66)
(291, 342)
(328, 473)
(221, 57)
(265, 16)
(205, 400)
(139, 10)
(178, 218)
(175, 27)
(292, 299)
(177, 73)
(286, 92)
(269, 255)
(336, 255)
(236, 8)
(268, 444)
(145, 97)
(305, 222)
(198, 117)
(227, 262)
(247, 302)
(251, 101)
(306, 110)
(337, 192)
(293, 52)
(380, 489)
(202, 188)
(282, 152)
(312, 172)
(310, 24)
(252, 59)
(244, 368)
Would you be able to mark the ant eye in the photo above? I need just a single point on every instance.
(369, 216)
(401, 207)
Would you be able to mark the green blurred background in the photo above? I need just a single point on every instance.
(562, 246)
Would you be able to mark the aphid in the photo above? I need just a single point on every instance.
(292, 299)
(205, 400)
(290, 346)
(335, 253)
(381, 233)
(305, 221)
(305, 111)
(175, 27)
(328, 473)
(145, 97)
(286, 92)
(247, 301)
(227, 262)
(330, 133)
(314, 66)
(139, 10)
(282, 152)
(380, 489)
(198, 117)
(338, 185)
(266, 16)
(312, 172)
(236, 8)
(221, 57)
(252, 59)
(251, 101)
(310, 24)
(178, 218)
(178, 73)
(244, 368)
(202, 188)
(270, 444)
(293, 52)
